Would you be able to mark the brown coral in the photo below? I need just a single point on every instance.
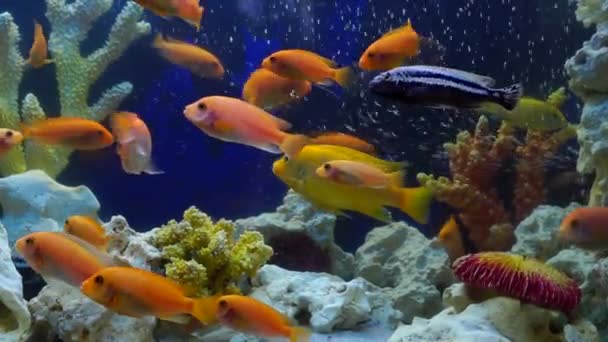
(476, 162)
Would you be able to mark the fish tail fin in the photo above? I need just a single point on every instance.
(152, 169)
(158, 41)
(299, 334)
(416, 202)
(293, 143)
(397, 179)
(204, 309)
(344, 76)
(509, 97)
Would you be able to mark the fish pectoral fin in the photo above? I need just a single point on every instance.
(179, 319)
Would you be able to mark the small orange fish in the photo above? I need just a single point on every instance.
(360, 174)
(451, 239)
(133, 143)
(88, 229)
(8, 139)
(586, 228)
(268, 90)
(233, 120)
(302, 65)
(187, 10)
(135, 292)
(76, 133)
(62, 257)
(251, 316)
(391, 50)
(198, 60)
(39, 51)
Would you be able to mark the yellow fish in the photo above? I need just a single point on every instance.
(299, 173)
(534, 114)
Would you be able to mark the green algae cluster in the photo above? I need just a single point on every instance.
(205, 257)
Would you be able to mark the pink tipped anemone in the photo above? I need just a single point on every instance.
(526, 279)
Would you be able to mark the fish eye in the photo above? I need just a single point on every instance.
(371, 55)
(8, 134)
(286, 158)
(29, 241)
(99, 280)
(223, 304)
(574, 224)
(272, 59)
(99, 132)
(327, 167)
(202, 106)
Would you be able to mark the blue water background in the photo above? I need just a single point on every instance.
(513, 41)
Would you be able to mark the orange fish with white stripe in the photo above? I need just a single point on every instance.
(62, 257)
(252, 316)
(39, 51)
(391, 50)
(188, 10)
(199, 61)
(88, 229)
(234, 120)
(137, 293)
(302, 65)
(76, 133)
(133, 143)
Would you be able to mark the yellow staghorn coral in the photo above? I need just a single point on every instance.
(71, 21)
(205, 257)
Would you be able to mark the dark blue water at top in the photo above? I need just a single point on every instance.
(513, 41)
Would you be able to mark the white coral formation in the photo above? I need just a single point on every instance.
(591, 12)
(76, 73)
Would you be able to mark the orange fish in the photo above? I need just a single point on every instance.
(451, 239)
(198, 60)
(39, 51)
(251, 316)
(88, 229)
(62, 257)
(134, 143)
(391, 50)
(135, 292)
(237, 121)
(268, 90)
(360, 174)
(302, 65)
(586, 228)
(77, 133)
(8, 139)
(187, 10)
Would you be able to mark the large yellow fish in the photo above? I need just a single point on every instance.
(299, 173)
(534, 114)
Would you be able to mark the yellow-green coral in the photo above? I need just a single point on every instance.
(205, 257)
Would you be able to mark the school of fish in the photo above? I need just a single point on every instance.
(337, 172)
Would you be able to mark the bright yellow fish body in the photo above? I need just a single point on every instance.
(299, 173)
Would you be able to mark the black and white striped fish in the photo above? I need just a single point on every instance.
(432, 86)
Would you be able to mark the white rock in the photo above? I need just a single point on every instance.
(32, 201)
(413, 269)
(14, 315)
(327, 302)
(588, 65)
(131, 246)
(71, 316)
(536, 235)
(297, 215)
(590, 270)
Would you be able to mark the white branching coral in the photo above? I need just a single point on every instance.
(591, 12)
(71, 22)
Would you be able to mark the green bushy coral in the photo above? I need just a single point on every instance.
(205, 257)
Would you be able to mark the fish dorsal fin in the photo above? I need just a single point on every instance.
(325, 60)
(485, 80)
(557, 98)
(407, 27)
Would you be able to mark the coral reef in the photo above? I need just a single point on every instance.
(476, 162)
(298, 216)
(326, 302)
(526, 279)
(586, 70)
(410, 268)
(71, 22)
(32, 201)
(131, 247)
(205, 257)
(14, 315)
